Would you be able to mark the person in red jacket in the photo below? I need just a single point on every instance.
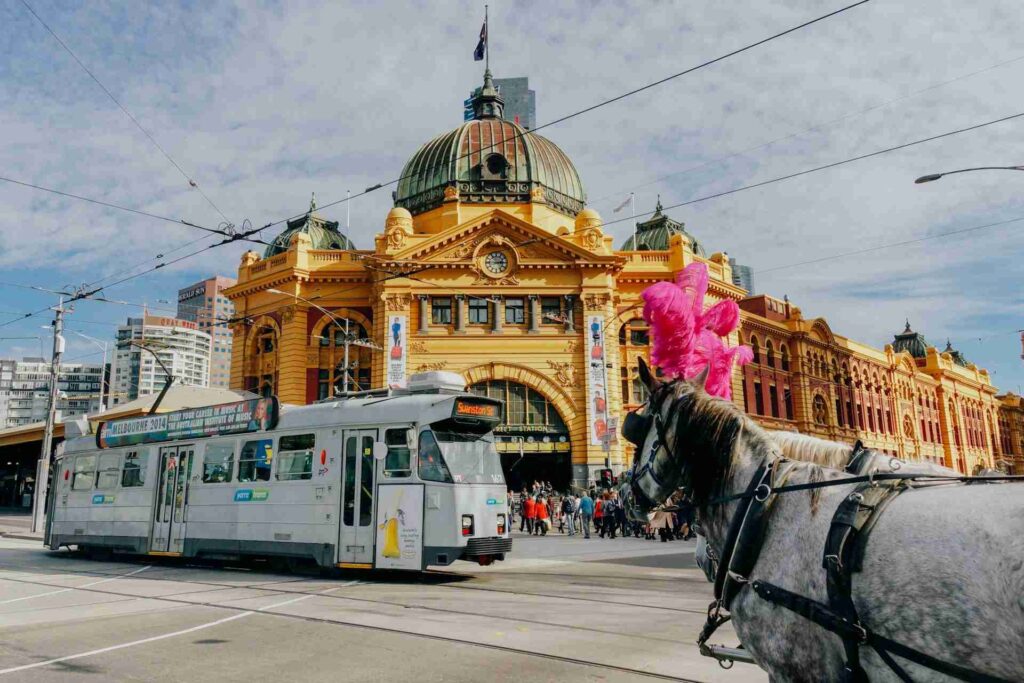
(543, 517)
(598, 516)
(529, 513)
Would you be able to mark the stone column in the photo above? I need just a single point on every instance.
(534, 314)
(570, 310)
(460, 314)
(424, 327)
(499, 315)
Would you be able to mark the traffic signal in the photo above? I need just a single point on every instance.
(606, 478)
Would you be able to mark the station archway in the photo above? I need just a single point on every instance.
(533, 440)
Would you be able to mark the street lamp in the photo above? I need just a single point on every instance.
(935, 176)
(103, 371)
(348, 340)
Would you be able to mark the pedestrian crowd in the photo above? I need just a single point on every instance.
(539, 509)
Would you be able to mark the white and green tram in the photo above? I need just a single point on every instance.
(391, 479)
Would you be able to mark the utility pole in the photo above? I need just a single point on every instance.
(43, 466)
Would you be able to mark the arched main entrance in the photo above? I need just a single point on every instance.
(533, 440)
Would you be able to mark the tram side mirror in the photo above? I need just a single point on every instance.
(380, 450)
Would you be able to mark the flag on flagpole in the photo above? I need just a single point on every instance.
(481, 47)
(624, 204)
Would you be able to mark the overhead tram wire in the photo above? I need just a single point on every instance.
(795, 134)
(603, 103)
(822, 168)
(193, 184)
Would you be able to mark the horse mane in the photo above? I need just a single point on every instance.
(796, 446)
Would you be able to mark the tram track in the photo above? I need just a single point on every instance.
(377, 628)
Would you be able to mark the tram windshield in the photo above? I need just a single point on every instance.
(470, 458)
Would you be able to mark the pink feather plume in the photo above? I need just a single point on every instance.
(688, 338)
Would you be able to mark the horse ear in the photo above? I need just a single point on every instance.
(701, 379)
(649, 380)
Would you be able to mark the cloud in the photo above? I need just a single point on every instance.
(264, 103)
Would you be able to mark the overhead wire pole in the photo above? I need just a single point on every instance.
(43, 465)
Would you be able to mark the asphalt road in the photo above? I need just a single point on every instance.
(559, 609)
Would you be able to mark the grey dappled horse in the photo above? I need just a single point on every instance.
(943, 572)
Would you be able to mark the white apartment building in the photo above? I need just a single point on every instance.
(182, 347)
(25, 390)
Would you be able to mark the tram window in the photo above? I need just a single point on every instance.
(255, 460)
(218, 462)
(134, 471)
(85, 472)
(109, 471)
(398, 461)
(295, 457)
(349, 496)
(431, 464)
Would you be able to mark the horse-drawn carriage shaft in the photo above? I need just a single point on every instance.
(943, 564)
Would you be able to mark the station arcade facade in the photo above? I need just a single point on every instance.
(491, 266)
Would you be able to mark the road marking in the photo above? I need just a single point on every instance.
(65, 590)
(174, 634)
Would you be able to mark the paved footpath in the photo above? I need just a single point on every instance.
(559, 609)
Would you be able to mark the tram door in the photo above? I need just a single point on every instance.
(171, 500)
(355, 546)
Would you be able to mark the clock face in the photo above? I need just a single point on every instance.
(496, 262)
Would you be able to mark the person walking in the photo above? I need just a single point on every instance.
(599, 515)
(529, 514)
(567, 513)
(608, 514)
(522, 509)
(543, 517)
(620, 516)
(586, 513)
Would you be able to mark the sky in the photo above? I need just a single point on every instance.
(264, 103)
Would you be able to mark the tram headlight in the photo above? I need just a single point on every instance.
(501, 524)
(467, 525)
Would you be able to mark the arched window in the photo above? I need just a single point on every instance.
(769, 352)
(262, 375)
(636, 332)
(526, 409)
(756, 349)
(331, 379)
(784, 352)
(820, 410)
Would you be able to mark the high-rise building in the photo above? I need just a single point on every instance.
(204, 304)
(742, 276)
(520, 101)
(25, 390)
(179, 344)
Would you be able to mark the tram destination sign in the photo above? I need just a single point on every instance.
(252, 415)
(481, 409)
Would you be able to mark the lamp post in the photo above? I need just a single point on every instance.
(349, 340)
(935, 176)
(103, 372)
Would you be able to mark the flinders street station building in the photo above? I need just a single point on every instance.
(490, 265)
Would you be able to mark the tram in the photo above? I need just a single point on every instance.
(389, 479)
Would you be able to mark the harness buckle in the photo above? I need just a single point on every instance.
(738, 578)
(758, 496)
(856, 497)
(895, 464)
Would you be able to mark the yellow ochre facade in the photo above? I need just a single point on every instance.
(490, 266)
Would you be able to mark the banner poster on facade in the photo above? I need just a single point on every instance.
(399, 527)
(253, 415)
(597, 389)
(397, 337)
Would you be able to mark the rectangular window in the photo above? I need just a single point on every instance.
(441, 310)
(640, 336)
(515, 311)
(295, 457)
(218, 462)
(758, 399)
(773, 396)
(255, 459)
(324, 384)
(85, 472)
(109, 471)
(788, 396)
(431, 464)
(398, 461)
(479, 311)
(840, 418)
(550, 309)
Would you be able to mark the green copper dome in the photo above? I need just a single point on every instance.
(322, 233)
(654, 234)
(911, 342)
(487, 160)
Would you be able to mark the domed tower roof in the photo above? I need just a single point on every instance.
(322, 233)
(958, 357)
(911, 342)
(489, 159)
(654, 234)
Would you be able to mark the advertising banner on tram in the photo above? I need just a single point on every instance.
(399, 527)
(396, 351)
(252, 415)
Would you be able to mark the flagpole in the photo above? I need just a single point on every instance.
(487, 42)
(632, 215)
